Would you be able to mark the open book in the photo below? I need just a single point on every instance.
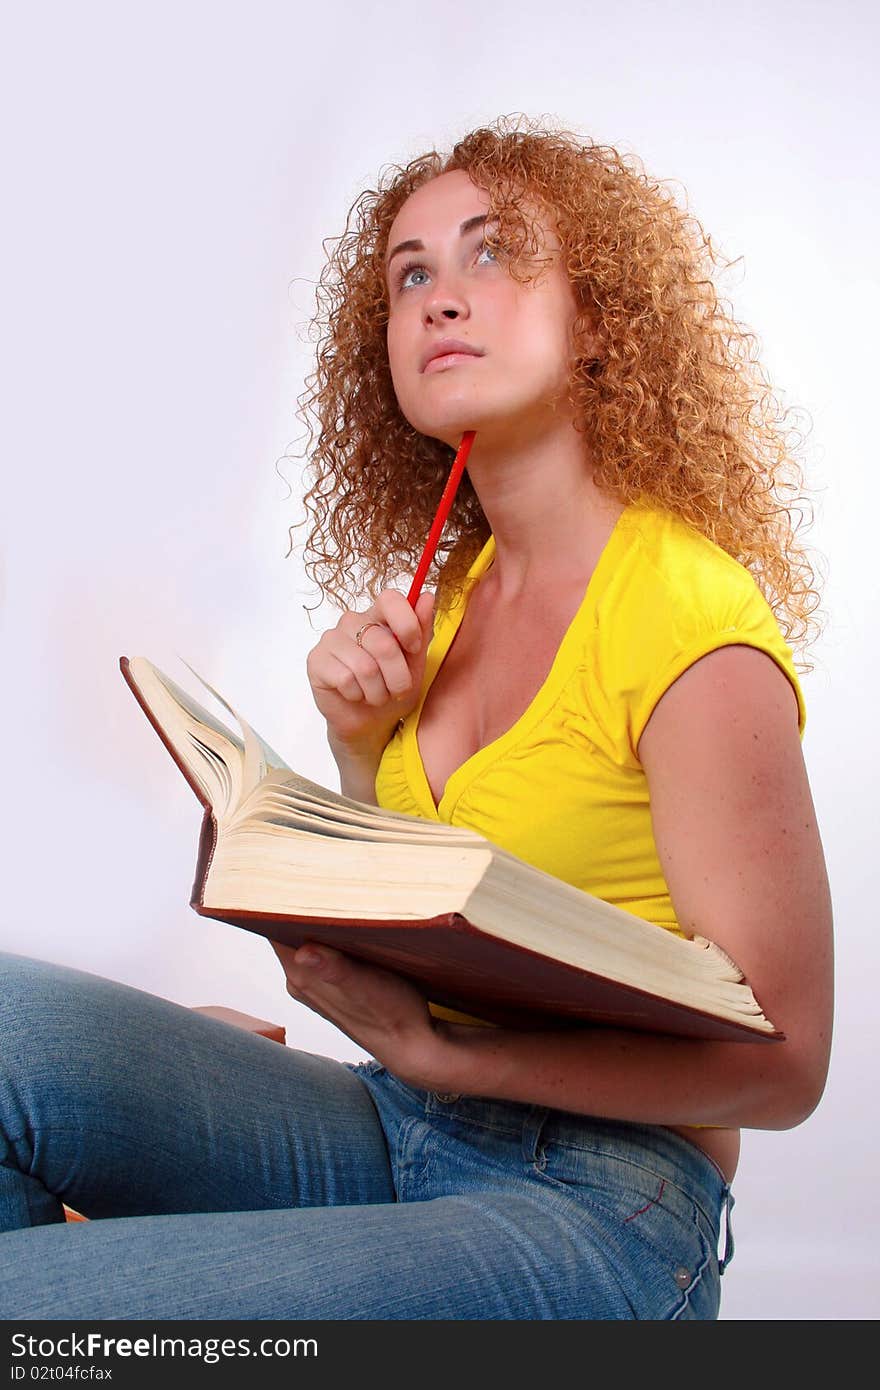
(477, 928)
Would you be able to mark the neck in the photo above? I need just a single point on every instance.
(547, 515)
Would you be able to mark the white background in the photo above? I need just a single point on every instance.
(171, 171)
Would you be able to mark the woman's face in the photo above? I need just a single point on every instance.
(512, 378)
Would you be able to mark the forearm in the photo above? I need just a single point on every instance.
(359, 783)
(630, 1076)
(357, 771)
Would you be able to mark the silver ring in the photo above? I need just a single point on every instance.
(359, 635)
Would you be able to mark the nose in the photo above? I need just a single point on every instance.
(446, 302)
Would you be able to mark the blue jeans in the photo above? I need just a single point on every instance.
(227, 1177)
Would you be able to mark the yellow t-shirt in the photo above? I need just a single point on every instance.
(563, 788)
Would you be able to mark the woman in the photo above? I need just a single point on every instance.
(607, 692)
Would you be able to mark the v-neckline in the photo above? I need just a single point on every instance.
(560, 669)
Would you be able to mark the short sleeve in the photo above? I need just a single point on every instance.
(753, 624)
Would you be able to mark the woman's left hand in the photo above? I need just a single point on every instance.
(382, 1012)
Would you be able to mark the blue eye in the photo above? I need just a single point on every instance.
(407, 270)
(411, 267)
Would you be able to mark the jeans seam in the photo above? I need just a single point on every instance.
(473, 1124)
(695, 1281)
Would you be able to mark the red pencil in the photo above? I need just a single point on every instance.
(439, 521)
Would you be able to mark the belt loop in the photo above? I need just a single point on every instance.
(531, 1134)
(729, 1201)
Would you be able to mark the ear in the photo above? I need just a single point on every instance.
(587, 337)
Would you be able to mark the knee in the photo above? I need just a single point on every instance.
(40, 1002)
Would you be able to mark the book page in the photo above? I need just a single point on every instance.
(271, 806)
(211, 754)
(291, 792)
(258, 754)
(225, 766)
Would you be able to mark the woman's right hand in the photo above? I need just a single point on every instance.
(364, 689)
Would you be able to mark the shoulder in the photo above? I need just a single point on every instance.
(671, 571)
(671, 597)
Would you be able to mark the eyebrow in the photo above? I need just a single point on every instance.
(469, 225)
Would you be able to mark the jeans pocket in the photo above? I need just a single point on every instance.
(656, 1237)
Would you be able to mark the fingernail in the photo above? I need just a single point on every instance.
(306, 956)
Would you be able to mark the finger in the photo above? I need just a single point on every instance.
(377, 661)
(333, 676)
(375, 668)
(397, 614)
(332, 966)
(381, 646)
(425, 614)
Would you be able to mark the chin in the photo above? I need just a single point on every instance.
(448, 428)
(449, 422)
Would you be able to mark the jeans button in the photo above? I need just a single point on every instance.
(682, 1277)
(446, 1096)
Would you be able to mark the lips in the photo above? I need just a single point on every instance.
(445, 347)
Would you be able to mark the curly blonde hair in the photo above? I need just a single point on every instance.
(676, 408)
